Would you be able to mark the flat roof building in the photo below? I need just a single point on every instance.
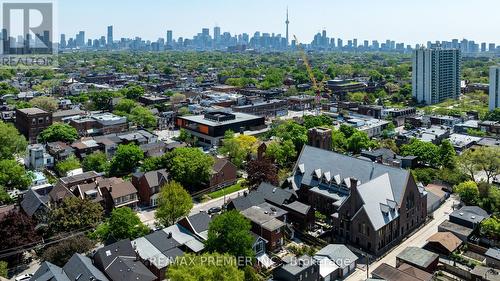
(211, 127)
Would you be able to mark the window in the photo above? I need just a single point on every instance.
(33, 121)
(40, 120)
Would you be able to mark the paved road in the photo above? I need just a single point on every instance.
(418, 239)
(148, 217)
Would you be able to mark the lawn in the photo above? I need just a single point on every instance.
(226, 190)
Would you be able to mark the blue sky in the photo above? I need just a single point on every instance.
(414, 21)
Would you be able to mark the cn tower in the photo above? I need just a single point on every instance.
(287, 22)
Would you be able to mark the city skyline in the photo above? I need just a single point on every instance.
(386, 19)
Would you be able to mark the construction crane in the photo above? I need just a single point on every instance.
(317, 88)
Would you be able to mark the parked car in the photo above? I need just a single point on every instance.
(24, 277)
(214, 210)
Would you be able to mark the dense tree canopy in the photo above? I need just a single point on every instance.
(96, 161)
(123, 223)
(189, 166)
(59, 132)
(46, 103)
(174, 202)
(191, 267)
(14, 176)
(468, 192)
(60, 253)
(66, 165)
(283, 153)
(238, 148)
(19, 229)
(74, 214)
(230, 233)
(12, 142)
(126, 159)
(261, 170)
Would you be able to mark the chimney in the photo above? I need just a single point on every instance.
(354, 183)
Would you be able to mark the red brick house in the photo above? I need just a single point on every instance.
(224, 173)
(148, 185)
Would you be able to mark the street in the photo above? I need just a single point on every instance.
(418, 239)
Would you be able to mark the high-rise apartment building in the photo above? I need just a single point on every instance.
(169, 38)
(494, 87)
(110, 35)
(436, 74)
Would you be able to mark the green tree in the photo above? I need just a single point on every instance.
(46, 103)
(447, 154)
(122, 224)
(151, 164)
(143, 117)
(61, 252)
(468, 192)
(12, 142)
(490, 228)
(96, 161)
(206, 267)
(358, 141)
(426, 152)
(290, 130)
(493, 115)
(4, 266)
(133, 92)
(174, 202)
(347, 130)
(339, 142)
(230, 233)
(311, 121)
(238, 148)
(101, 100)
(485, 159)
(5, 197)
(283, 153)
(189, 166)
(124, 107)
(66, 165)
(126, 159)
(14, 176)
(75, 214)
(59, 132)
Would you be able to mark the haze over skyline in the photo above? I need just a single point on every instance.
(404, 21)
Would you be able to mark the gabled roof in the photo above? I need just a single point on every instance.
(49, 272)
(447, 239)
(80, 267)
(338, 253)
(379, 202)
(128, 269)
(244, 202)
(390, 273)
(312, 159)
(199, 221)
(275, 194)
(109, 253)
(155, 178)
(33, 201)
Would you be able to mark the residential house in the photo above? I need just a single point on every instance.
(372, 206)
(419, 258)
(35, 204)
(303, 268)
(119, 262)
(224, 173)
(443, 243)
(148, 185)
(37, 158)
(493, 257)
(265, 223)
(469, 216)
(160, 248)
(197, 224)
(404, 272)
(59, 150)
(341, 256)
(31, 122)
(85, 147)
(79, 267)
